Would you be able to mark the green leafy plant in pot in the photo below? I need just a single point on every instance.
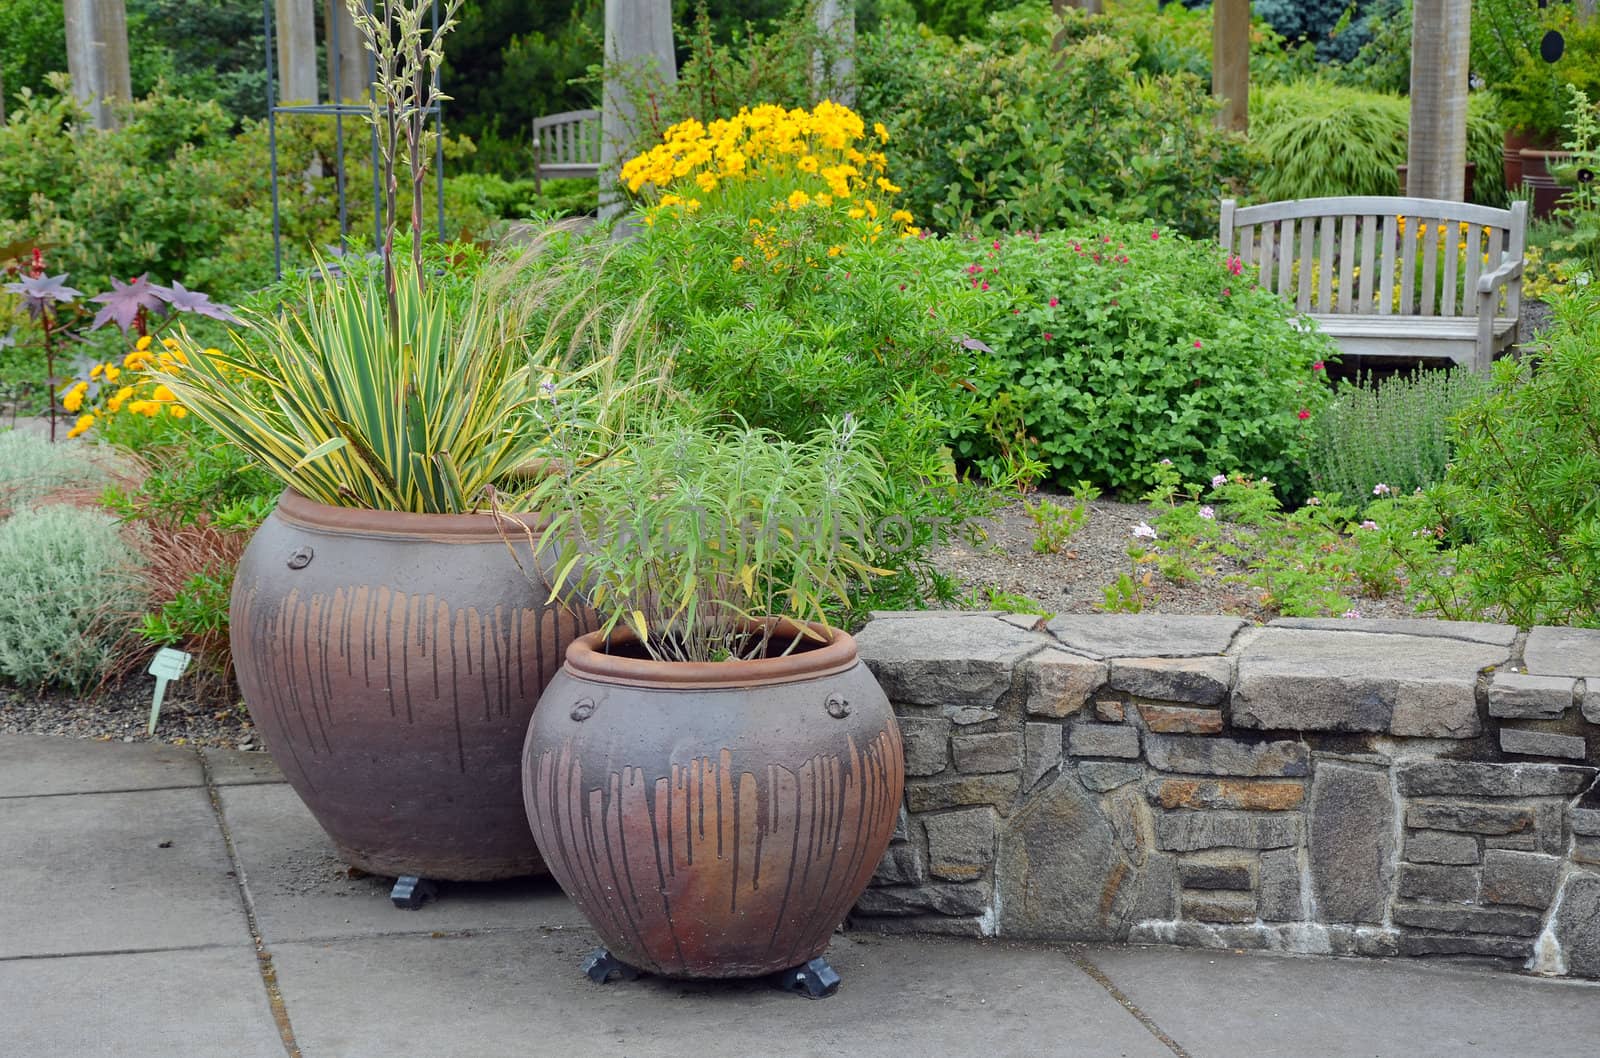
(386, 648)
(713, 775)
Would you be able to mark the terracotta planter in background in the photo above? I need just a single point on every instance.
(1547, 193)
(714, 820)
(1516, 141)
(391, 663)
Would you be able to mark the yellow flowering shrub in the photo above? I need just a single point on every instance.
(768, 160)
(130, 387)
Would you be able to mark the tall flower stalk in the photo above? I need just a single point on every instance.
(407, 54)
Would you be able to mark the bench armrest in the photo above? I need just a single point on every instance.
(1507, 271)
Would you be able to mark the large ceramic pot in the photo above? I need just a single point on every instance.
(391, 663)
(713, 820)
(1518, 140)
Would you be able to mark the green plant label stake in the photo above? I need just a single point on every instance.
(167, 665)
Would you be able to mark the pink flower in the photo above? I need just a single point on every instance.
(1097, 256)
(1380, 489)
(1305, 413)
(1054, 302)
(973, 269)
(1015, 311)
(1155, 235)
(1049, 337)
(1354, 615)
(1317, 366)
(997, 244)
(1197, 343)
(1369, 524)
(1227, 292)
(1235, 265)
(1144, 531)
(1207, 513)
(1105, 239)
(984, 286)
(1218, 480)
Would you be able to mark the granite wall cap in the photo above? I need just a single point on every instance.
(1145, 635)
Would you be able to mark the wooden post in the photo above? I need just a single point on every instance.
(832, 71)
(97, 56)
(296, 30)
(1230, 62)
(347, 70)
(639, 46)
(1436, 159)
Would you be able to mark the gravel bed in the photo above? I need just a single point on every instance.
(119, 714)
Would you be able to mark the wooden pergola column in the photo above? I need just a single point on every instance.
(1230, 62)
(1436, 157)
(97, 56)
(638, 39)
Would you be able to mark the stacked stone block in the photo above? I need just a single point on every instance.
(1318, 786)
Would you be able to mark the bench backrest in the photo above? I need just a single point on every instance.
(568, 139)
(1375, 255)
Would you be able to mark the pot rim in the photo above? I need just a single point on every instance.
(480, 527)
(587, 661)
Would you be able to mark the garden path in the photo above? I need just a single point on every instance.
(159, 901)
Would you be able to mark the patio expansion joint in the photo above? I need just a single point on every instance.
(269, 974)
(99, 793)
(1098, 976)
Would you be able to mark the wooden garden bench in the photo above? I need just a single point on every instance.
(1376, 276)
(566, 146)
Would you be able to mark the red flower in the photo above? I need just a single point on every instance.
(1317, 366)
(1054, 302)
(1197, 343)
(1227, 293)
(984, 286)
(1155, 235)
(1049, 337)
(1305, 413)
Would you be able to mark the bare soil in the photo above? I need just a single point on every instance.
(1074, 580)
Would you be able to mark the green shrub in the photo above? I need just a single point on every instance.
(1126, 345)
(70, 595)
(1524, 487)
(31, 468)
(1396, 433)
(1021, 137)
(1315, 138)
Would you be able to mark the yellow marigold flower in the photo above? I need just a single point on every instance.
(143, 343)
(872, 208)
(180, 356)
(798, 199)
(882, 133)
(73, 401)
(164, 395)
(857, 213)
(169, 343)
(902, 216)
(886, 187)
(835, 251)
(81, 426)
(669, 200)
(118, 399)
(733, 163)
(823, 199)
(94, 372)
(141, 407)
(136, 361)
(212, 352)
(112, 372)
(707, 181)
(808, 164)
(178, 411)
(738, 263)
(913, 232)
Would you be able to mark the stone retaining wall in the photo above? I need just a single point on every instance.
(1333, 786)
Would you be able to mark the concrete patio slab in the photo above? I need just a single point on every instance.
(36, 765)
(233, 767)
(1221, 1004)
(521, 993)
(302, 890)
(115, 872)
(187, 1004)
